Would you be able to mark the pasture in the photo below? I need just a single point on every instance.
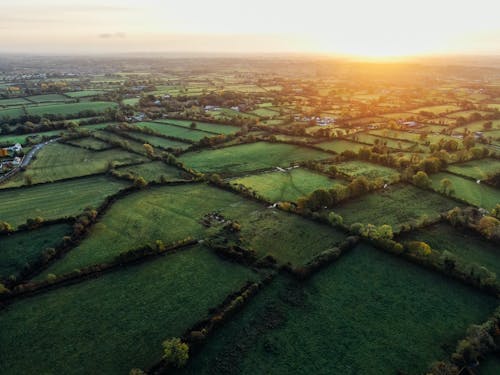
(160, 142)
(70, 109)
(352, 318)
(56, 200)
(357, 168)
(90, 143)
(154, 171)
(249, 157)
(191, 135)
(476, 169)
(340, 146)
(120, 319)
(204, 126)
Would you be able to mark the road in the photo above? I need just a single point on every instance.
(27, 159)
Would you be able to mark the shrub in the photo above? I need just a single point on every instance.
(175, 352)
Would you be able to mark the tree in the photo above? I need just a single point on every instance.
(420, 248)
(446, 186)
(149, 149)
(385, 232)
(489, 226)
(421, 180)
(175, 352)
(5, 227)
(359, 186)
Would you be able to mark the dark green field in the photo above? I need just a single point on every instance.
(369, 313)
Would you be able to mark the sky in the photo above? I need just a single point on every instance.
(369, 28)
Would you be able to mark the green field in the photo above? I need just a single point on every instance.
(14, 102)
(476, 169)
(23, 138)
(340, 146)
(286, 186)
(438, 109)
(59, 161)
(90, 143)
(153, 171)
(84, 93)
(175, 131)
(159, 141)
(371, 171)
(375, 140)
(23, 248)
(175, 212)
(369, 313)
(394, 206)
(249, 157)
(48, 98)
(480, 195)
(55, 200)
(490, 366)
(118, 321)
(70, 109)
(107, 136)
(205, 126)
(464, 244)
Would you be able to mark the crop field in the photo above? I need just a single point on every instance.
(367, 315)
(154, 171)
(51, 166)
(340, 146)
(55, 200)
(174, 213)
(138, 307)
(372, 171)
(90, 143)
(395, 206)
(176, 131)
(160, 142)
(466, 245)
(69, 109)
(23, 248)
(204, 126)
(249, 157)
(480, 195)
(477, 169)
(286, 186)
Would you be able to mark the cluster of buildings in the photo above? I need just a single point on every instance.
(9, 157)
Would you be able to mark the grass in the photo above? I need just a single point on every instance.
(159, 141)
(48, 98)
(286, 186)
(176, 131)
(13, 102)
(205, 126)
(153, 171)
(372, 139)
(480, 195)
(118, 320)
(369, 313)
(106, 136)
(340, 146)
(56, 200)
(476, 169)
(371, 171)
(438, 109)
(395, 206)
(84, 93)
(175, 212)
(23, 138)
(59, 161)
(466, 245)
(249, 157)
(90, 143)
(23, 248)
(70, 109)
(490, 366)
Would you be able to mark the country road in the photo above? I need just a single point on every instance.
(27, 159)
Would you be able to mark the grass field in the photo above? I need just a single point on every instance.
(373, 140)
(357, 168)
(340, 146)
(118, 321)
(249, 157)
(70, 109)
(159, 141)
(14, 102)
(205, 126)
(438, 109)
(106, 136)
(490, 366)
(23, 248)
(369, 313)
(175, 131)
(90, 143)
(153, 171)
(173, 213)
(59, 161)
(466, 245)
(286, 186)
(84, 93)
(264, 112)
(48, 98)
(478, 126)
(480, 195)
(56, 200)
(394, 206)
(477, 169)
(23, 138)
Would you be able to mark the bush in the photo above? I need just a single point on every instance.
(175, 352)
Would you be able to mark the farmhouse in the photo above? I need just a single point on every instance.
(11, 151)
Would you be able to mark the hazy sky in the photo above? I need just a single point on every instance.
(360, 27)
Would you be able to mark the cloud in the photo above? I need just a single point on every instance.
(118, 35)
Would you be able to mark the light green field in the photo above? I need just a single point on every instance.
(56, 200)
(286, 186)
(357, 168)
(375, 140)
(265, 112)
(159, 141)
(175, 131)
(340, 146)
(48, 98)
(14, 102)
(249, 157)
(438, 109)
(154, 171)
(478, 126)
(131, 101)
(477, 169)
(70, 109)
(107, 136)
(59, 161)
(84, 93)
(173, 213)
(395, 206)
(90, 143)
(11, 113)
(466, 114)
(369, 313)
(480, 195)
(205, 126)
(23, 248)
(23, 138)
(118, 321)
